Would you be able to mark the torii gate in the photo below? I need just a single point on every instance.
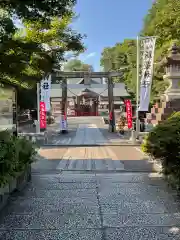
(62, 76)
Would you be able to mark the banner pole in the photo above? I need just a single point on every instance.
(38, 109)
(137, 90)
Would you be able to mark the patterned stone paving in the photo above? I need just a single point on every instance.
(93, 206)
(88, 134)
(84, 133)
(90, 158)
(87, 158)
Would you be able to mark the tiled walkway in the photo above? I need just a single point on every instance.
(89, 158)
(88, 134)
(91, 205)
(94, 207)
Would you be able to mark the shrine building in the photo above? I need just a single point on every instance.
(86, 99)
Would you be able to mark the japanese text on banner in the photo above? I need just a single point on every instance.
(129, 113)
(45, 92)
(146, 72)
(42, 115)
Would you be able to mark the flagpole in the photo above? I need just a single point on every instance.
(137, 89)
(38, 109)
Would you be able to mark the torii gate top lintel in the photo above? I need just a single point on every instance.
(87, 74)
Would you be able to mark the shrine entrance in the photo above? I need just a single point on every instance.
(87, 103)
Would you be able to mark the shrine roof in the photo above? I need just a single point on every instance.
(80, 80)
(118, 91)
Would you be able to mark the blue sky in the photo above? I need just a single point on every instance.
(106, 22)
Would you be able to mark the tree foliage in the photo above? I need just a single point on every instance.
(29, 53)
(163, 143)
(163, 21)
(27, 98)
(77, 65)
(42, 10)
(119, 56)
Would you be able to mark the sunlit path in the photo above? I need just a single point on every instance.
(88, 134)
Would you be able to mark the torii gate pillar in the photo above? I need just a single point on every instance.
(86, 76)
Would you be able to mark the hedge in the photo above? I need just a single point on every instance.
(163, 143)
(15, 155)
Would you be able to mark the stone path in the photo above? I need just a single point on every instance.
(61, 141)
(89, 158)
(86, 134)
(94, 207)
(82, 128)
(91, 205)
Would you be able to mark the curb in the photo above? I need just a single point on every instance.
(156, 164)
(16, 184)
(91, 172)
(93, 145)
(34, 137)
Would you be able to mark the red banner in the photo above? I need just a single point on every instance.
(42, 115)
(129, 113)
(110, 116)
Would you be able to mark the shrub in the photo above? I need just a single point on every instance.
(15, 155)
(26, 151)
(163, 143)
(8, 156)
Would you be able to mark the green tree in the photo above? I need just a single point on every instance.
(38, 10)
(77, 65)
(27, 54)
(27, 98)
(163, 21)
(55, 40)
(119, 56)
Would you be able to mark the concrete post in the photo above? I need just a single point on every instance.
(45, 137)
(64, 103)
(111, 105)
(133, 137)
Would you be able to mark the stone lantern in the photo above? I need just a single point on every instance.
(172, 67)
(170, 100)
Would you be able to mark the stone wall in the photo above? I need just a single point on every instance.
(7, 108)
(162, 110)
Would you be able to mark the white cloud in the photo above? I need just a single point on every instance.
(90, 55)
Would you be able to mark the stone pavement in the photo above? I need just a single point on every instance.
(55, 138)
(78, 129)
(86, 134)
(71, 200)
(90, 159)
(92, 206)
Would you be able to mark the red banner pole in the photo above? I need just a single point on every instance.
(42, 116)
(129, 113)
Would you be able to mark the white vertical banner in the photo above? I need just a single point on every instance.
(148, 45)
(46, 92)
